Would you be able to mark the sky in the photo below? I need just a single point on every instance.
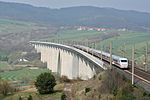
(139, 5)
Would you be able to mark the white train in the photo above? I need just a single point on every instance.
(116, 60)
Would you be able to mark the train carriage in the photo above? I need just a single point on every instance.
(116, 60)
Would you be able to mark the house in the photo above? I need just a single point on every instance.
(123, 29)
(22, 59)
(100, 29)
(82, 28)
(90, 29)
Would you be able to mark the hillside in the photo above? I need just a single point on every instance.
(108, 85)
(15, 35)
(85, 15)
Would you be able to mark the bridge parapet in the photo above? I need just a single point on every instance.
(68, 61)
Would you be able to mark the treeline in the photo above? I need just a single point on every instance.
(3, 58)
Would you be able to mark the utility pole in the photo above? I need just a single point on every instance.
(101, 51)
(80, 43)
(124, 50)
(95, 45)
(92, 48)
(133, 52)
(84, 43)
(74, 43)
(146, 57)
(111, 54)
(87, 45)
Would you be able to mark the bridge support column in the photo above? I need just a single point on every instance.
(66, 67)
(86, 70)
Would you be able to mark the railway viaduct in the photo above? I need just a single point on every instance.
(68, 61)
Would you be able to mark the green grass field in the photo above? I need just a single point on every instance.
(73, 35)
(4, 66)
(124, 41)
(2, 54)
(18, 75)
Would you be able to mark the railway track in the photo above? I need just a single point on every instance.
(138, 73)
(138, 77)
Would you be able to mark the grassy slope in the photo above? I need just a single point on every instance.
(100, 91)
(10, 29)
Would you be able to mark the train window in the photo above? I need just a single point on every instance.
(123, 60)
(115, 60)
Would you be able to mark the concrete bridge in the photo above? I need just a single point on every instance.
(68, 61)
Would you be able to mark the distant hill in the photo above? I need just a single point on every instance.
(84, 15)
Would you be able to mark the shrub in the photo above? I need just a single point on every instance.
(20, 98)
(94, 76)
(126, 93)
(99, 97)
(87, 90)
(25, 79)
(115, 90)
(124, 78)
(64, 79)
(144, 94)
(45, 83)
(4, 87)
(30, 97)
(0, 78)
(63, 97)
(100, 77)
(111, 79)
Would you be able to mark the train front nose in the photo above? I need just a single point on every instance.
(124, 66)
